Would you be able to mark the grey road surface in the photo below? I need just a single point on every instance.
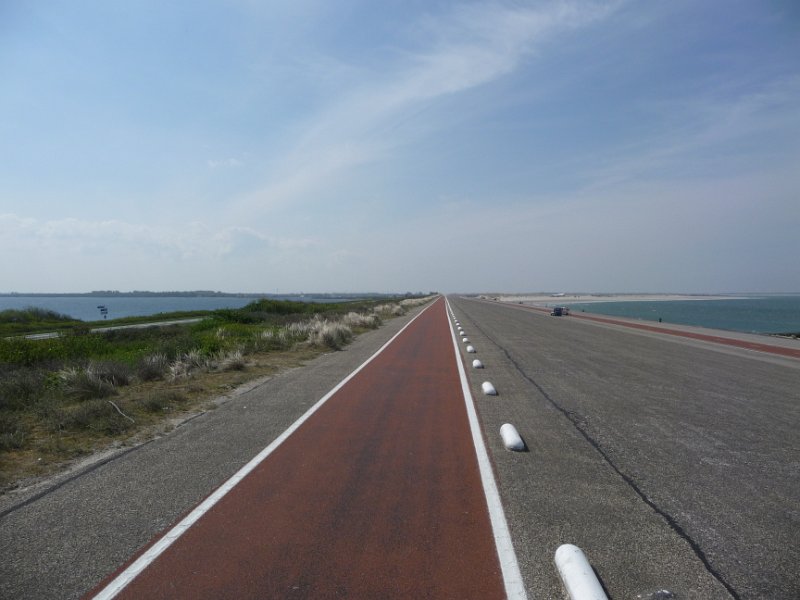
(55, 334)
(674, 464)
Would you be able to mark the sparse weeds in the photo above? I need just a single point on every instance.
(358, 320)
(187, 364)
(329, 335)
(83, 383)
(19, 389)
(232, 361)
(390, 310)
(13, 432)
(161, 401)
(96, 415)
(152, 367)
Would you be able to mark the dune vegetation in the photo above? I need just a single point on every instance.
(81, 391)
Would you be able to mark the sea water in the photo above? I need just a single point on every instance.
(86, 308)
(767, 314)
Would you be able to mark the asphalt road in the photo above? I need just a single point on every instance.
(671, 461)
(376, 495)
(55, 334)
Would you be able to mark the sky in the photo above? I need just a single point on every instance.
(401, 145)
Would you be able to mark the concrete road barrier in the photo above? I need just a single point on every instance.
(511, 438)
(577, 574)
(488, 388)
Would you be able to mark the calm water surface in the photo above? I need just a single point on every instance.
(86, 308)
(772, 314)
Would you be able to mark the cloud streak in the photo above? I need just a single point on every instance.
(190, 241)
(470, 46)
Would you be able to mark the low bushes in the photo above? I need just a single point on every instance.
(62, 395)
(98, 416)
(152, 367)
(13, 432)
(96, 380)
(362, 321)
(330, 335)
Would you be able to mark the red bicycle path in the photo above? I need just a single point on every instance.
(376, 495)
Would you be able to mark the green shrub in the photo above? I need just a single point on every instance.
(93, 415)
(113, 372)
(85, 384)
(331, 335)
(187, 364)
(13, 432)
(232, 361)
(354, 319)
(20, 388)
(152, 367)
(32, 314)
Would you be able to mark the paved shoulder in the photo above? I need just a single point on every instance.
(673, 466)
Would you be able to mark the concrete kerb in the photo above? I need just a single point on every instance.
(580, 581)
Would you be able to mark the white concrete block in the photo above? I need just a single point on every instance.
(511, 438)
(470, 349)
(576, 573)
(476, 364)
(488, 389)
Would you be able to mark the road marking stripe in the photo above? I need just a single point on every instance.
(512, 578)
(123, 579)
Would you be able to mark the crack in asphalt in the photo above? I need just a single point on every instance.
(577, 423)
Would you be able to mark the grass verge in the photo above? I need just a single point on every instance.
(66, 397)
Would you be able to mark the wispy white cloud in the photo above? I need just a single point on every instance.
(704, 131)
(216, 163)
(190, 241)
(454, 52)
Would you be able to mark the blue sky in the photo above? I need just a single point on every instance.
(312, 145)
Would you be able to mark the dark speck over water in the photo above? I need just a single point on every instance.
(770, 314)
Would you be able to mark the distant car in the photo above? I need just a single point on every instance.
(560, 311)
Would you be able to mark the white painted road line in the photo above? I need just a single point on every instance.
(577, 574)
(123, 579)
(515, 589)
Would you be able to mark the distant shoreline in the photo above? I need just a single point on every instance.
(538, 299)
